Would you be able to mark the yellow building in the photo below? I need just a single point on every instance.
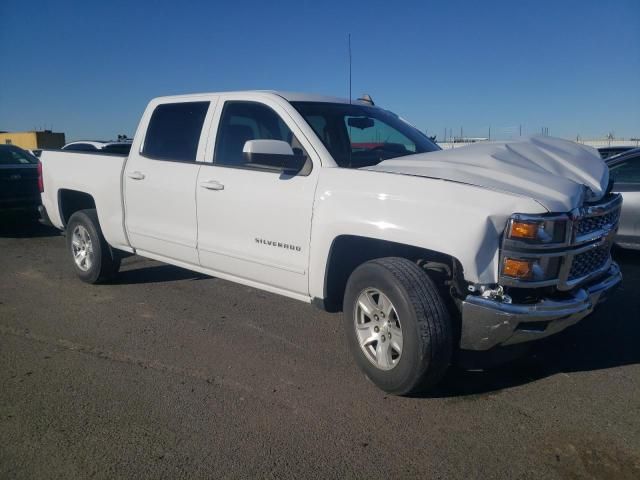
(33, 140)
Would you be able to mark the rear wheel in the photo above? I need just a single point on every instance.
(94, 260)
(397, 325)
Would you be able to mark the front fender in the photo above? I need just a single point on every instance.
(463, 221)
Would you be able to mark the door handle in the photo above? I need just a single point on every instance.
(212, 185)
(136, 175)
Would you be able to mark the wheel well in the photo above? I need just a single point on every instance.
(348, 252)
(71, 201)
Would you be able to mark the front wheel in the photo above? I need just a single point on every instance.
(397, 325)
(94, 260)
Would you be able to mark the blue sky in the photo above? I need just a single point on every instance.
(89, 68)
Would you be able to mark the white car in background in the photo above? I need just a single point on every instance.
(625, 173)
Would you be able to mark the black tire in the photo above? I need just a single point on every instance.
(424, 319)
(105, 262)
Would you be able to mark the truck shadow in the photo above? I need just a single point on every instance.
(24, 225)
(608, 338)
(156, 273)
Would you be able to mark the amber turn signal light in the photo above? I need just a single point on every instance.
(521, 269)
(524, 230)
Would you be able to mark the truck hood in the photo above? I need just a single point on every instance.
(557, 173)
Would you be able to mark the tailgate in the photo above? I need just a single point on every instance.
(18, 182)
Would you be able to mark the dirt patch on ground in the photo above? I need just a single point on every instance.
(589, 459)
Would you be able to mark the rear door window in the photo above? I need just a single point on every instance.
(174, 131)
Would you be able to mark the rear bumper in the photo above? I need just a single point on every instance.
(44, 216)
(487, 323)
(19, 203)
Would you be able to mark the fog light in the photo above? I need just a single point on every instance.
(521, 269)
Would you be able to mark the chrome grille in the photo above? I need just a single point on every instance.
(584, 254)
(593, 224)
(587, 225)
(590, 261)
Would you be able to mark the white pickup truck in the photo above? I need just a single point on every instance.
(345, 205)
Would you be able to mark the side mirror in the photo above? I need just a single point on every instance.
(274, 155)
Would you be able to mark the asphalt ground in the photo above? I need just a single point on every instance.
(170, 374)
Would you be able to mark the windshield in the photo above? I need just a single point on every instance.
(10, 155)
(360, 136)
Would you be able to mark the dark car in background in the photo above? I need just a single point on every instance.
(607, 152)
(19, 188)
(625, 172)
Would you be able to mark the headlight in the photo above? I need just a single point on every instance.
(527, 230)
(532, 249)
(537, 230)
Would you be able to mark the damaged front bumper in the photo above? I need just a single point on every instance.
(488, 322)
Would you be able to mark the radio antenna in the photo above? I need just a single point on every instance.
(349, 69)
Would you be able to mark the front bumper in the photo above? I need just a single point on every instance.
(487, 322)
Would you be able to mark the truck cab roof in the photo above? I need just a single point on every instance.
(289, 96)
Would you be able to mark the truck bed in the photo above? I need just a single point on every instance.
(96, 174)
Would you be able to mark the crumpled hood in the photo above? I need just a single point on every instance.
(550, 170)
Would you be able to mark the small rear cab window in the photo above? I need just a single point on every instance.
(174, 131)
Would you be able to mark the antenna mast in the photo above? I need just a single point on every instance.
(349, 68)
